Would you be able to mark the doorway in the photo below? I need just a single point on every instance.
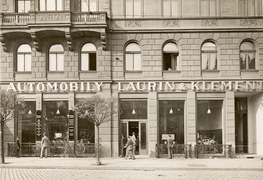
(139, 128)
(241, 132)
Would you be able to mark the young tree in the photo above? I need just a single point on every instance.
(98, 110)
(11, 105)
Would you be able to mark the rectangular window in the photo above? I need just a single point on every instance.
(209, 122)
(129, 62)
(133, 109)
(52, 62)
(24, 62)
(170, 8)
(51, 5)
(247, 60)
(208, 7)
(23, 6)
(209, 61)
(137, 62)
(88, 62)
(89, 5)
(171, 61)
(133, 8)
(60, 62)
(247, 8)
(171, 121)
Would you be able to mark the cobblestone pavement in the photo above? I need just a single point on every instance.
(71, 174)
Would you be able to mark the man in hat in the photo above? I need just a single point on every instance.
(44, 145)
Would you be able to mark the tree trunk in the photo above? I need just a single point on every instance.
(98, 147)
(2, 142)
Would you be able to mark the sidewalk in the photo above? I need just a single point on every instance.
(141, 163)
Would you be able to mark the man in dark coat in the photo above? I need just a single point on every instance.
(170, 147)
(17, 147)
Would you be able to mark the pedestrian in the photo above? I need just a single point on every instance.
(170, 147)
(129, 148)
(44, 145)
(133, 138)
(17, 147)
(123, 142)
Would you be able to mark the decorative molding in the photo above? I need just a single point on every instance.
(53, 17)
(103, 41)
(69, 40)
(209, 23)
(3, 42)
(170, 23)
(248, 22)
(35, 40)
(133, 23)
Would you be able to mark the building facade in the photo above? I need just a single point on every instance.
(192, 69)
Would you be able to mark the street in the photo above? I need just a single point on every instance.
(72, 174)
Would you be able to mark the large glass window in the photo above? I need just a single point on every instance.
(88, 58)
(133, 109)
(89, 5)
(22, 6)
(55, 122)
(208, 7)
(247, 56)
(86, 131)
(133, 8)
(28, 123)
(209, 56)
(171, 8)
(209, 122)
(171, 59)
(133, 57)
(51, 5)
(171, 120)
(24, 58)
(56, 58)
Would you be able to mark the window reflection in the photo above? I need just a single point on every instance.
(133, 109)
(28, 123)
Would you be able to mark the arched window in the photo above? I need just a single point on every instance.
(133, 57)
(247, 55)
(24, 58)
(209, 56)
(51, 5)
(88, 58)
(170, 57)
(56, 58)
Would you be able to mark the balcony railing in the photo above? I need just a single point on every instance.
(53, 17)
(58, 149)
(184, 150)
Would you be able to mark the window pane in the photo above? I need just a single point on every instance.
(27, 5)
(133, 47)
(92, 65)
(204, 61)
(170, 47)
(88, 47)
(129, 8)
(247, 46)
(174, 61)
(137, 62)
(52, 62)
(42, 5)
(242, 7)
(84, 6)
(129, 62)
(56, 48)
(212, 62)
(21, 7)
(93, 5)
(137, 8)
(209, 122)
(60, 62)
(20, 62)
(51, 5)
(84, 61)
(175, 12)
(251, 61)
(24, 48)
(139, 107)
(251, 7)
(171, 120)
(167, 63)
(27, 62)
(209, 47)
(213, 8)
(59, 5)
(204, 8)
(166, 8)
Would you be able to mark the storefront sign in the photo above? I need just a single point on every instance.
(138, 86)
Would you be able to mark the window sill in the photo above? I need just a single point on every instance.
(87, 71)
(55, 72)
(23, 72)
(133, 71)
(171, 71)
(249, 70)
(207, 70)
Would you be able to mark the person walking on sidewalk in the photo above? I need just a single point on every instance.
(129, 150)
(133, 138)
(44, 145)
(170, 147)
(123, 142)
(17, 147)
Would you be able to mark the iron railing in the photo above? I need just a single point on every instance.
(57, 149)
(178, 150)
(218, 150)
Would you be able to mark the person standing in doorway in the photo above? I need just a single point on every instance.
(129, 150)
(133, 138)
(44, 145)
(123, 142)
(170, 147)
(17, 147)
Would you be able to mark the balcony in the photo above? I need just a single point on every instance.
(40, 18)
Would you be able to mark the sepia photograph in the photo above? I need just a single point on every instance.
(131, 89)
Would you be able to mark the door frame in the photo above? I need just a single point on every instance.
(140, 121)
